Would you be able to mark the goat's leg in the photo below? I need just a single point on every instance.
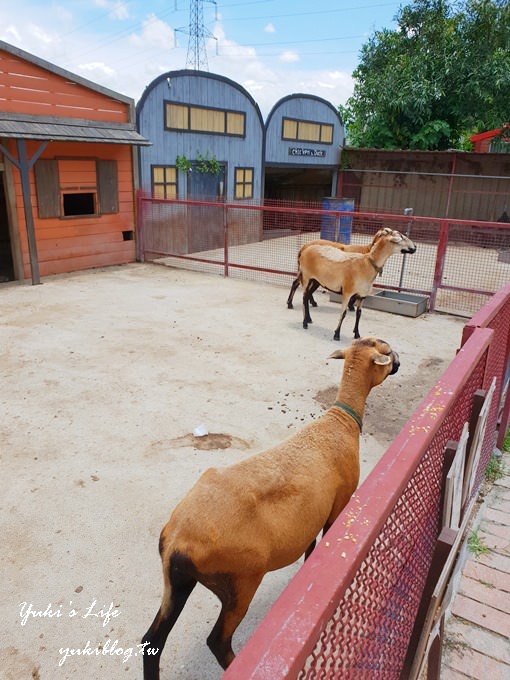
(177, 590)
(311, 547)
(312, 287)
(359, 304)
(352, 301)
(235, 595)
(306, 309)
(293, 288)
(343, 312)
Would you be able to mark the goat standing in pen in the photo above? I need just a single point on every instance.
(347, 248)
(348, 274)
(261, 514)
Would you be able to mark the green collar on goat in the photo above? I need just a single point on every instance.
(350, 412)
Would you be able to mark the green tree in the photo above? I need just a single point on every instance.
(442, 75)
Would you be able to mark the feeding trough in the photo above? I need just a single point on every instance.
(405, 304)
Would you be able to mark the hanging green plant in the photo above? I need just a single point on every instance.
(206, 164)
(183, 163)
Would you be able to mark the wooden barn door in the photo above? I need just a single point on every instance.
(205, 230)
(6, 260)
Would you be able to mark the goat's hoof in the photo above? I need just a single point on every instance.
(290, 305)
(305, 324)
(336, 336)
(313, 303)
(357, 336)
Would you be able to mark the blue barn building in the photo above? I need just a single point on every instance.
(210, 143)
(207, 138)
(304, 138)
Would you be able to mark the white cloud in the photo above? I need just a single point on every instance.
(289, 56)
(269, 28)
(42, 36)
(120, 11)
(11, 35)
(96, 70)
(155, 33)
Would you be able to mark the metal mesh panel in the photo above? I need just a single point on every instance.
(475, 260)
(499, 320)
(459, 267)
(370, 630)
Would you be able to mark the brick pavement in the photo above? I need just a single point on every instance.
(477, 641)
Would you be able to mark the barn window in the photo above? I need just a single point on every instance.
(177, 117)
(243, 183)
(76, 187)
(164, 181)
(307, 131)
(187, 118)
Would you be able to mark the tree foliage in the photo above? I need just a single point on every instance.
(441, 76)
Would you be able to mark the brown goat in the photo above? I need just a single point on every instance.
(348, 274)
(240, 522)
(346, 247)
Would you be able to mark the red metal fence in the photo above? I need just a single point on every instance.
(350, 611)
(458, 264)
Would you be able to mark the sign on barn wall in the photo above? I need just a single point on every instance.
(302, 151)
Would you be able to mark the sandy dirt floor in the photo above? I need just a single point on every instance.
(105, 374)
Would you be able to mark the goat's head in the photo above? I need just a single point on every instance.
(402, 243)
(385, 231)
(370, 354)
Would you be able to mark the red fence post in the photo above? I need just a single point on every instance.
(440, 256)
(140, 236)
(225, 239)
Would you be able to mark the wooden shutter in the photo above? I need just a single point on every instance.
(107, 187)
(47, 188)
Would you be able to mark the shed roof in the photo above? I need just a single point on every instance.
(68, 130)
(489, 134)
(63, 73)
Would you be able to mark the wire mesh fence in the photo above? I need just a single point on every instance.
(457, 265)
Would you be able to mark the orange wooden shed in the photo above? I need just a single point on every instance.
(67, 170)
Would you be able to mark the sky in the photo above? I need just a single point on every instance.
(272, 48)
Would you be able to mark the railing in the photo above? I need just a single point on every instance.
(458, 264)
(351, 609)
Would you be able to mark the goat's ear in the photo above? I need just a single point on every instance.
(337, 354)
(382, 359)
(396, 237)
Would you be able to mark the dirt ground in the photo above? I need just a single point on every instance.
(105, 375)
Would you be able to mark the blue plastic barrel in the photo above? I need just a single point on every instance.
(334, 227)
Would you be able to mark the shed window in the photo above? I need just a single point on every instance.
(307, 131)
(243, 183)
(79, 204)
(187, 118)
(70, 188)
(164, 181)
